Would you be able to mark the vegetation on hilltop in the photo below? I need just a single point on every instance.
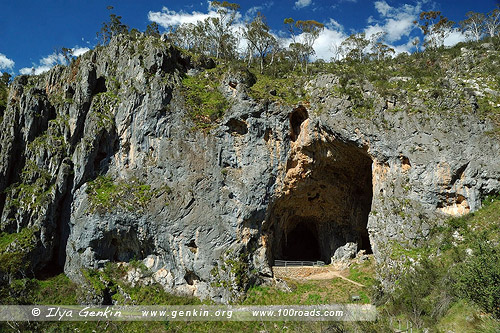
(4, 84)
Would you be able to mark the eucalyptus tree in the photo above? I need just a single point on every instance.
(492, 22)
(354, 46)
(435, 28)
(112, 28)
(153, 29)
(220, 28)
(260, 40)
(308, 31)
(474, 26)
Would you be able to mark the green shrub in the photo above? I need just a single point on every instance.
(478, 277)
(422, 293)
(106, 195)
(205, 102)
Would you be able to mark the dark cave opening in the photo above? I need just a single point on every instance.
(301, 243)
(297, 117)
(327, 208)
(100, 86)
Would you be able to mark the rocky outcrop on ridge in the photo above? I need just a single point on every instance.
(101, 161)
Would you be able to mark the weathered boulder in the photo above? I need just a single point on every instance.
(345, 252)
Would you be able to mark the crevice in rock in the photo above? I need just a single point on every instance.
(64, 216)
(268, 134)
(105, 148)
(54, 258)
(70, 92)
(405, 163)
(459, 173)
(325, 206)
(119, 245)
(100, 86)
(191, 277)
(237, 126)
(297, 117)
(192, 246)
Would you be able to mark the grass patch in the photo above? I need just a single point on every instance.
(23, 239)
(288, 90)
(205, 103)
(326, 291)
(66, 291)
(106, 194)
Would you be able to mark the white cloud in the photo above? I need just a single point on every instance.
(78, 51)
(397, 28)
(53, 59)
(34, 70)
(455, 37)
(334, 25)
(302, 3)
(167, 18)
(373, 29)
(46, 63)
(6, 63)
(382, 7)
(252, 12)
(328, 39)
(396, 22)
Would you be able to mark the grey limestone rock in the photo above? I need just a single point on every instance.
(208, 212)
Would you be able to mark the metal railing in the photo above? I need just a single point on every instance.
(296, 263)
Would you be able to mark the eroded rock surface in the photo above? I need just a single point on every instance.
(209, 211)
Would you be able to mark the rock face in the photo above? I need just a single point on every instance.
(102, 161)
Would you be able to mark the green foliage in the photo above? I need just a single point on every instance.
(66, 291)
(105, 195)
(422, 292)
(153, 29)
(233, 272)
(288, 90)
(261, 40)
(205, 102)
(23, 240)
(112, 28)
(435, 27)
(14, 249)
(18, 292)
(466, 318)
(112, 279)
(33, 191)
(467, 269)
(478, 276)
(103, 105)
(4, 92)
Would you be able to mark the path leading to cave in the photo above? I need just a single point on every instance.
(313, 273)
(332, 274)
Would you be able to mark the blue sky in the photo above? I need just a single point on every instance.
(30, 31)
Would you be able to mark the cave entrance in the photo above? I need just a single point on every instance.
(325, 207)
(301, 243)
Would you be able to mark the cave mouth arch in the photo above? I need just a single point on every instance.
(327, 206)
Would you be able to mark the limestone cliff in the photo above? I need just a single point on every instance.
(102, 162)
